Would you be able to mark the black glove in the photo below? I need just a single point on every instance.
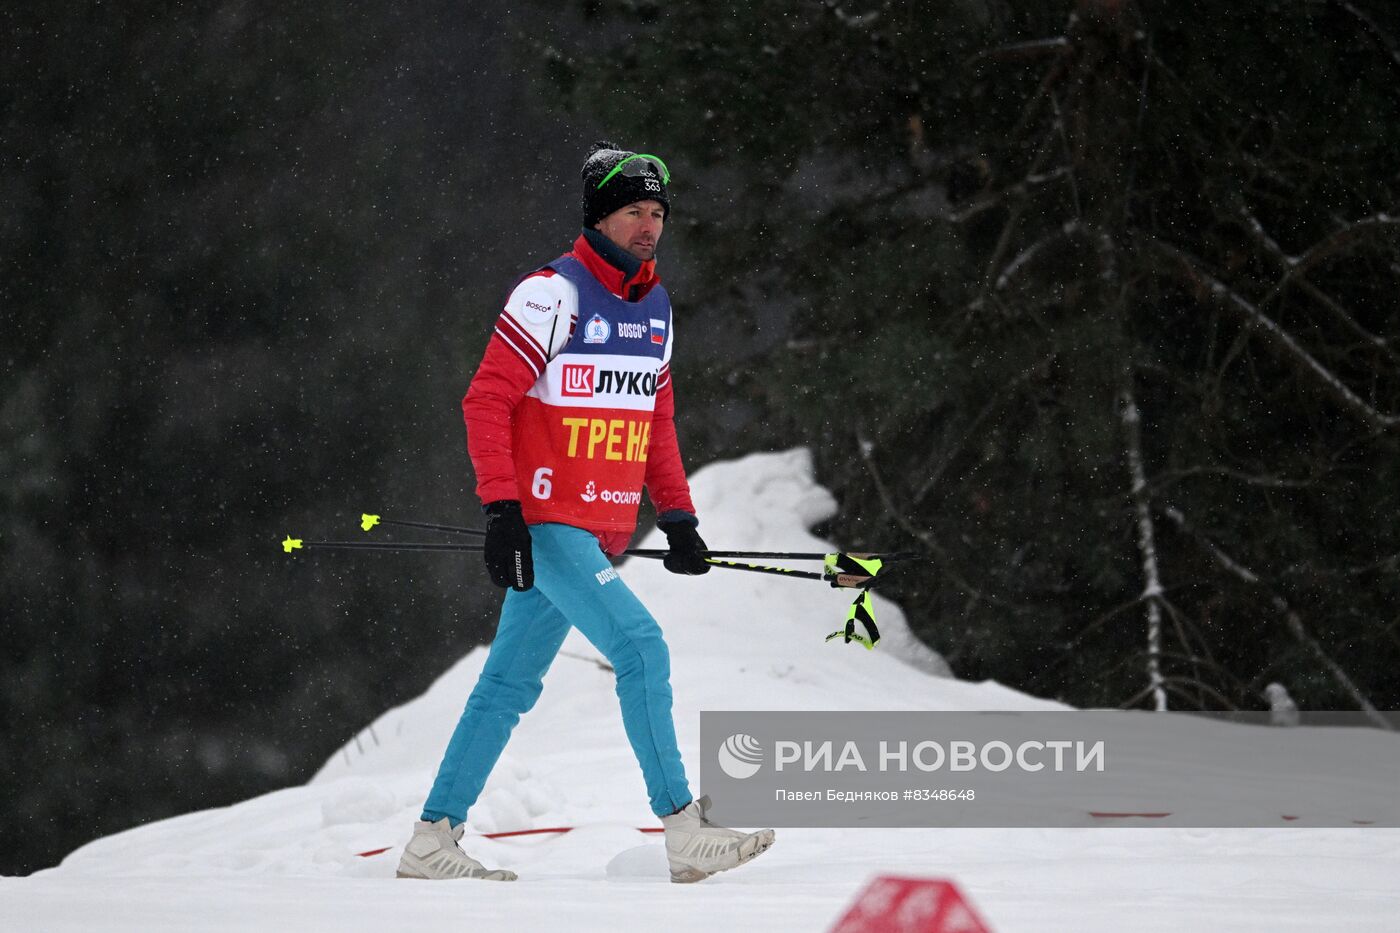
(686, 555)
(509, 559)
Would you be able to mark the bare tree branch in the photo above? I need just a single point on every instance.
(1194, 271)
(1350, 232)
(1291, 619)
(1059, 128)
(1166, 478)
(935, 474)
(1170, 685)
(1013, 220)
(1262, 237)
(1178, 623)
(1032, 49)
(901, 518)
(1019, 190)
(1339, 240)
(1387, 564)
(1348, 319)
(1384, 42)
(1175, 684)
(1053, 74)
(1069, 229)
(1295, 268)
(1052, 77)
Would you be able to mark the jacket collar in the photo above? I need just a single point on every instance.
(620, 272)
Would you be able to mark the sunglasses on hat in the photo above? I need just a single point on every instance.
(636, 166)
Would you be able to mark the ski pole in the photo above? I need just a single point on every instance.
(842, 569)
(368, 522)
(782, 555)
(836, 580)
(297, 544)
(861, 611)
(731, 565)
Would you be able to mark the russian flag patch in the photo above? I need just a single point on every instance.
(658, 330)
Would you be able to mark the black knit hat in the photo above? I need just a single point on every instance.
(647, 182)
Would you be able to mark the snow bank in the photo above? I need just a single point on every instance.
(291, 859)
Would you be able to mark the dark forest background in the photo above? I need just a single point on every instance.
(1093, 302)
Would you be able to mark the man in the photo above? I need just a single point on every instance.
(568, 416)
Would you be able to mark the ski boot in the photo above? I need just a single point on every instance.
(433, 854)
(697, 848)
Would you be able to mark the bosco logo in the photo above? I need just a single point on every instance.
(578, 381)
(536, 312)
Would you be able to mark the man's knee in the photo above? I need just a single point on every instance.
(497, 695)
(642, 654)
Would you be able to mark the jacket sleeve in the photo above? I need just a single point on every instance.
(501, 381)
(532, 329)
(665, 476)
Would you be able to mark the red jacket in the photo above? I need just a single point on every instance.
(515, 358)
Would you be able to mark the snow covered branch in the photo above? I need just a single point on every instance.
(933, 474)
(900, 516)
(866, 448)
(1340, 240)
(854, 20)
(1019, 190)
(1147, 543)
(1348, 320)
(1291, 619)
(1384, 42)
(1289, 264)
(1069, 229)
(1167, 477)
(1016, 51)
(1193, 270)
(1333, 243)
(1262, 237)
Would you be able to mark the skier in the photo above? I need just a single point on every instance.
(569, 414)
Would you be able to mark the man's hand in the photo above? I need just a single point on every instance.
(509, 559)
(686, 546)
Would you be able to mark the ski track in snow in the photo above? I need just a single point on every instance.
(287, 860)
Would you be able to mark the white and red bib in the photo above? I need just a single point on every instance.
(581, 435)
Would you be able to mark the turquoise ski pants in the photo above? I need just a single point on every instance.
(576, 586)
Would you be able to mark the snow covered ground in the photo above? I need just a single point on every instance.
(289, 860)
